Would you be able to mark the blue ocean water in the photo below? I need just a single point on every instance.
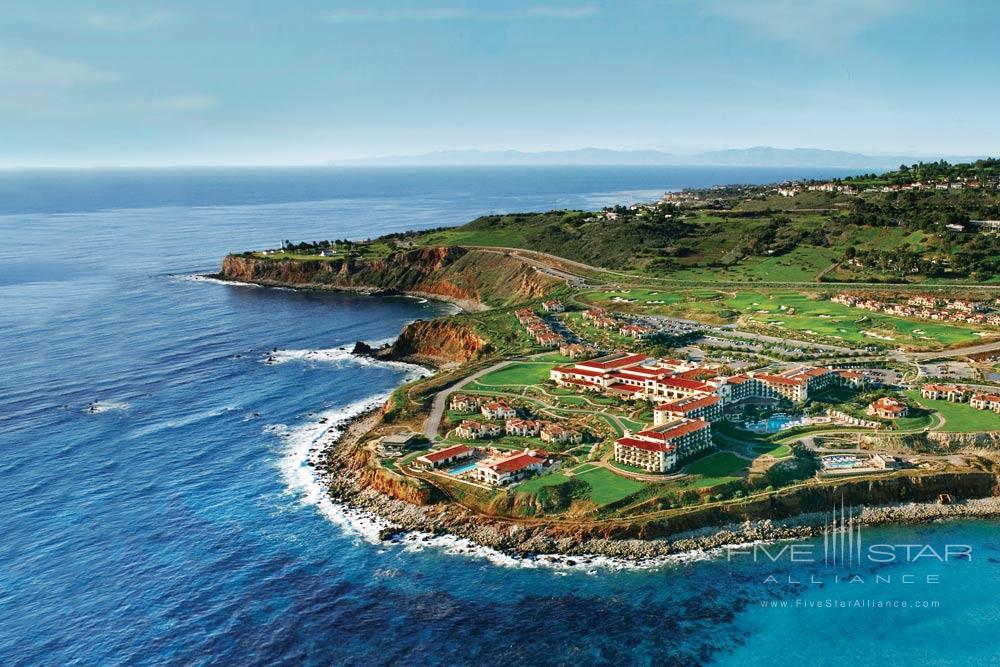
(157, 502)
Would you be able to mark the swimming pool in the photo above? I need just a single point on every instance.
(465, 467)
(841, 461)
(773, 424)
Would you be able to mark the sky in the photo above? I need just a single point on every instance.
(239, 82)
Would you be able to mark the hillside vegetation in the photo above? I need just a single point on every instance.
(750, 233)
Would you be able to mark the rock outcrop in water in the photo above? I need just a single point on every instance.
(437, 342)
(471, 278)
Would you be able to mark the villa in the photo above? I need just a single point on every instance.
(475, 430)
(553, 306)
(658, 449)
(511, 468)
(888, 408)
(497, 410)
(445, 457)
(984, 401)
(523, 427)
(575, 350)
(636, 331)
(947, 392)
(464, 403)
(556, 434)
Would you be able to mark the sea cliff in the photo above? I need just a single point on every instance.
(473, 279)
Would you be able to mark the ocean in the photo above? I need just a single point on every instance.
(158, 506)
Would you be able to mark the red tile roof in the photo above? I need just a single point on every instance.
(578, 371)
(688, 404)
(442, 454)
(514, 463)
(778, 379)
(628, 388)
(683, 383)
(668, 432)
(618, 360)
(645, 444)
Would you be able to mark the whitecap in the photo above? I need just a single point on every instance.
(106, 406)
(341, 356)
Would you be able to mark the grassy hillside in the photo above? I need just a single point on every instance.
(751, 234)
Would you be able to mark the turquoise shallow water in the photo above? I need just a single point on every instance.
(178, 522)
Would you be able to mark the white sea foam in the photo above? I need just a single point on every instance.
(301, 469)
(304, 448)
(306, 443)
(200, 278)
(98, 407)
(341, 356)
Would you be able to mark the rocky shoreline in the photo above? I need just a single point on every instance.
(397, 519)
(464, 305)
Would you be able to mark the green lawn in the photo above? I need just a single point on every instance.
(777, 452)
(798, 312)
(716, 465)
(632, 424)
(572, 400)
(518, 373)
(535, 484)
(959, 417)
(607, 487)
(792, 311)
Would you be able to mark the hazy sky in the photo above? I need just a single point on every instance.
(241, 82)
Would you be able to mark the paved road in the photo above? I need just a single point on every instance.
(548, 259)
(957, 352)
(440, 403)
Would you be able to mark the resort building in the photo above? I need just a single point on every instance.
(636, 331)
(553, 306)
(707, 408)
(984, 401)
(658, 449)
(524, 427)
(475, 430)
(557, 435)
(851, 379)
(397, 443)
(445, 457)
(671, 380)
(511, 468)
(944, 392)
(888, 408)
(576, 350)
(464, 403)
(497, 410)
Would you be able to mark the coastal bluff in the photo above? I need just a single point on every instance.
(470, 278)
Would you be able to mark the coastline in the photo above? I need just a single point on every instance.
(402, 522)
(464, 305)
(341, 468)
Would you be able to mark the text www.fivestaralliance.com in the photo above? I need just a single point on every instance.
(850, 603)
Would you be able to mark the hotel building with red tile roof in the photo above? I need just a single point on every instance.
(444, 457)
(511, 468)
(658, 449)
(707, 408)
(888, 408)
(947, 392)
(983, 401)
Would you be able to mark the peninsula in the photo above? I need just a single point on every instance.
(718, 365)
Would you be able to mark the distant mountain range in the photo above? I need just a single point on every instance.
(758, 156)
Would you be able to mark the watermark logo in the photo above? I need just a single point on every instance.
(842, 544)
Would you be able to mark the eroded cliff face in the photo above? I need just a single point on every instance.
(439, 341)
(469, 277)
